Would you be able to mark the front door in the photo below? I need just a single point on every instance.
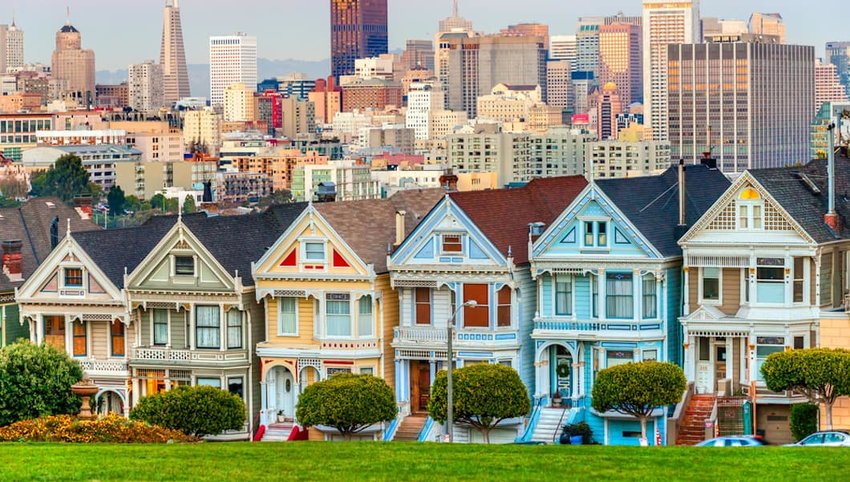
(705, 368)
(720, 362)
(420, 386)
(284, 393)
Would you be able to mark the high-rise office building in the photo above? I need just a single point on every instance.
(455, 23)
(528, 30)
(587, 44)
(608, 107)
(238, 103)
(73, 66)
(620, 60)
(750, 116)
(768, 24)
(469, 66)
(11, 47)
(358, 30)
(418, 54)
(559, 84)
(713, 26)
(563, 47)
(423, 99)
(145, 87)
(838, 54)
(233, 60)
(172, 55)
(828, 86)
(664, 23)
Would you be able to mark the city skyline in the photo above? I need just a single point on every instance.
(40, 19)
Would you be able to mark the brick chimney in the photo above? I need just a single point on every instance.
(399, 228)
(12, 263)
(449, 181)
(831, 219)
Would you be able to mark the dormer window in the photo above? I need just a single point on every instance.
(314, 251)
(595, 234)
(184, 265)
(750, 210)
(452, 243)
(73, 278)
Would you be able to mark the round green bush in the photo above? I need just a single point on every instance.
(804, 420)
(347, 402)
(197, 411)
(35, 381)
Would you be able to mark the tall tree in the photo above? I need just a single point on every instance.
(116, 201)
(65, 179)
(189, 205)
(637, 389)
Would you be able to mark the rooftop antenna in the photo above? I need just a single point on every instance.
(454, 9)
(67, 15)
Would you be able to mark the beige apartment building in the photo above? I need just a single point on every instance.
(158, 141)
(73, 67)
(145, 179)
(203, 126)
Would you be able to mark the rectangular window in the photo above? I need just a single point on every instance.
(338, 314)
(619, 302)
(236, 386)
(619, 357)
(287, 321)
(117, 333)
(799, 279)
(594, 296)
(452, 243)
(564, 297)
(208, 327)
(601, 234)
(73, 277)
(208, 382)
(423, 306)
(364, 317)
(711, 284)
(799, 342)
(588, 233)
(314, 251)
(770, 283)
(367, 371)
(476, 316)
(743, 217)
(650, 297)
(766, 346)
(650, 355)
(54, 331)
(503, 308)
(184, 265)
(757, 219)
(160, 327)
(234, 329)
(79, 339)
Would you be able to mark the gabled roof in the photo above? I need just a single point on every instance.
(368, 226)
(503, 215)
(30, 223)
(651, 203)
(788, 187)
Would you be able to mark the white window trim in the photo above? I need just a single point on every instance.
(357, 323)
(750, 217)
(242, 324)
(195, 269)
(221, 381)
(153, 327)
(297, 320)
(352, 321)
(463, 244)
(719, 300)
(806, 283)
(84, 275)
(596, 220)
(785, 287)
(302, 251)
(659, 287)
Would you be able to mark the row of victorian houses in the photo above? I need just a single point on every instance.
(569, 277)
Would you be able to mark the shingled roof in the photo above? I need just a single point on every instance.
(30, 223)
(651, 203)
(788, 187)
(503, 215)
(368, 226)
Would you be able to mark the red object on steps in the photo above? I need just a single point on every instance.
(297, 433)
(261, 430)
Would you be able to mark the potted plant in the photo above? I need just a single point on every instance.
(556, 399)
(576, 434)
(281, 417)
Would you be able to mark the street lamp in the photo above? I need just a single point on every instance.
(450, 356)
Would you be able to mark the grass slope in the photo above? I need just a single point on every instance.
(410, 461)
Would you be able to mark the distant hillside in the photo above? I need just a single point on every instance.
(199, 74)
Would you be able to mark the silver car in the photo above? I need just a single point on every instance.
(825, 439)
(732, 441)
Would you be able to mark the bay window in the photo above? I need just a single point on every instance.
(160, 327)
(770, 280)
(364, 317)
(563, 296)
(710, 284)
(422, 300)
(619, 295)
(503, 308)
(117, 333)
(650, 297)
(476, 316)
(234, 329)
(338, 314)
(287, 320)
(207, 327)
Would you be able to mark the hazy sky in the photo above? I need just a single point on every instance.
(128, 31)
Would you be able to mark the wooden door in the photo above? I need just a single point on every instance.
(54, 331)
(424, 385)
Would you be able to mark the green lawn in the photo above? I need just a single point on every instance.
(242, 462)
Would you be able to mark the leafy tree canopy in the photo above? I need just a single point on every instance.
(198, 411)
(347, 402)
(116, 201)
(65, 179)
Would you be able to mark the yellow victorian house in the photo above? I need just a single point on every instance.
(329, 307)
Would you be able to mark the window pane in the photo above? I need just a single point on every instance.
(757, 219)
(588, 233)
(564, 298)
(619, 357)
(650, 301)
(743, 217)
(423, 306)
(594, 295)
(184, 265)
(160, 327)
(234, 329)
(619, 296)
(602, 237)
(236, 387)
(117, 331)
(799, 279)
(208, 327)
(711, 284)
(287, 320)
(208, 382)
(365, 317)
(503, 315)
(79, 339)
(339, 317)
(314, 251)
(477, 316)
(73, 277)
(452, 243)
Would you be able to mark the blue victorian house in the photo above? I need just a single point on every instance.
(609, 282)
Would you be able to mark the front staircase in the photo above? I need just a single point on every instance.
(549, 425)
(692, 428)
(410, 428)
(278, 432)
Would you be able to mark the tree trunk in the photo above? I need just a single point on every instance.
(643, 428)
(828, 405)
(486, 434)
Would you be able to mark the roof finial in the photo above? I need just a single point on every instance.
(68, 15)
(13, 18)
(454, 9)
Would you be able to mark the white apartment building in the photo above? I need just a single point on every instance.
(613, 159)
(664, 23)
(11, 48)
(233, 60)
(563, 47)
(238, 103)
(202, 126)
(81, 138)
(423, 99)
(146, 87)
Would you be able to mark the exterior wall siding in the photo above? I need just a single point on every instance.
(527, 306)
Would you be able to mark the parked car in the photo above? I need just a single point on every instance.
(733, 441)
(835, 438)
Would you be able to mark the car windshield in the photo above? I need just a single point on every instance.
(814, 439)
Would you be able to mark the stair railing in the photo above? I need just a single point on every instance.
(532, 420)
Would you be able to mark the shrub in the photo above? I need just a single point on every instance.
(110, 429)
(822, 374)
(637, 389)
(197, 411)
(35, 381)
(347, 402)
(579, 428)
(804, 420)
(483, 396)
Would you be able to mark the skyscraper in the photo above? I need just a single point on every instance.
(664, 23)
(828, 86)
(838, 54)
(563, 47)
(528, 30)
(455, 22)
(620, 60)
(768, 24)
(754, 115)
(145, 86)
(73, 66)
(358, 30)
(11, 47)
(587, 45)
(172, 55)
(233, 60)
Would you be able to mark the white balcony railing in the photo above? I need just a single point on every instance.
(158, 354)
(430, 335)
(104, 367)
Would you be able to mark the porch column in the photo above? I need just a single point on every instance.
(69, 337)
(191, 327)
(686, 309)
(263, 403)
(659, 300)
(541, 366)
(751, 353)
(690, 365)
(575, 390)
(37, 329)
(433, 366)
(222, 327)
(600, 301)
(135, 395)
(730, 362)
